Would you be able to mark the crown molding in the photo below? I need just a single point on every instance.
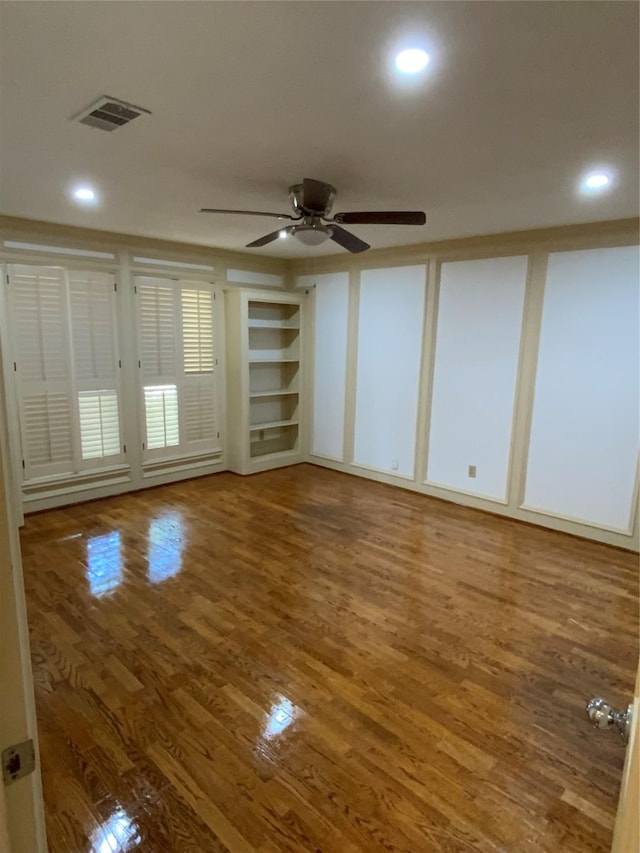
(32, 230)
(612, 232)
(589, 234)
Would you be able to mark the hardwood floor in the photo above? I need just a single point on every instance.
(306, 661)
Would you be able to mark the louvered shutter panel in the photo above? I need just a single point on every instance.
(157, 328)
(47, 433)
(199, 410)
(198, 391)
(197, 330)
(39, 327)
(38, 304)
(99, 425)
(177, 360)
(93, 323)
(161, 411)
(158, 335)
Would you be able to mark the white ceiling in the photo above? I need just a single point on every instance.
(249, 97)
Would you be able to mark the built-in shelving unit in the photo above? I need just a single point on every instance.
(264, 358)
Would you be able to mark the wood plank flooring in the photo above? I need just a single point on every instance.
(306, 661)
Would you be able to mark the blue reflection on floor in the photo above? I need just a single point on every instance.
(118, 834)
(104, 558)
(165, 546)
(281, 714)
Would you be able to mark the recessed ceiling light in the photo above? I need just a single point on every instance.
(85, 194)
(596, 181)
(283, 235)
(412, 61)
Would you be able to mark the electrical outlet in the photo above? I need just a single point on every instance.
(472, 471)
(17, 761)
(394, 464)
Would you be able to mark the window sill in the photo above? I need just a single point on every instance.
(47, 491)
(156, 467)
(82, 478)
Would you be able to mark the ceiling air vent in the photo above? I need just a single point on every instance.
(109, 113)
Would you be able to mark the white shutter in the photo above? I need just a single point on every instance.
(158, 333)
(94, 348)
(64, 330)
(199, 409)
(197, 330)
(157, 318)
(198, 391)
(177, 360)
(93, 323)
(39, 322)
(46, 429)
(38, 304)
(161, 411)
(99, 424)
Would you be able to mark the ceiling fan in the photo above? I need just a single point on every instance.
(312, 202)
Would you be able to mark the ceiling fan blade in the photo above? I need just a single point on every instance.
(380, 217)
(347, 240)
(317, 195)
(248, 213)
(269, 238)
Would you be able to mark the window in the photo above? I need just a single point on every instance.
(65, 350)
(176, 328)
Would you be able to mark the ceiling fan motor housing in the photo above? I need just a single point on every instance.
(316, 201)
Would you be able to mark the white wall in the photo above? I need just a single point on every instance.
(331, 314)
(389, 356)
(476, 364)
(584, 432)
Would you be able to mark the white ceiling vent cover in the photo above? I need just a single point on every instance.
(109, 113)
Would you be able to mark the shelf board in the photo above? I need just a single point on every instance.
(273, 324)
(282, 393)
(271, 425)
(274, 360)
(273, 449)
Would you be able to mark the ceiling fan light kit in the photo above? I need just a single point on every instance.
(312, 235)
(312, 202)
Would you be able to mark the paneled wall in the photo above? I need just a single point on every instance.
(584, 430)
(329, 356)
(390, 317)
(476, 366)
(506, 381)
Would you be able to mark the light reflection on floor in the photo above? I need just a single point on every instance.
(281, 715)
(165, 537)
(118, 834)
(166, 541)
(104, 558)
